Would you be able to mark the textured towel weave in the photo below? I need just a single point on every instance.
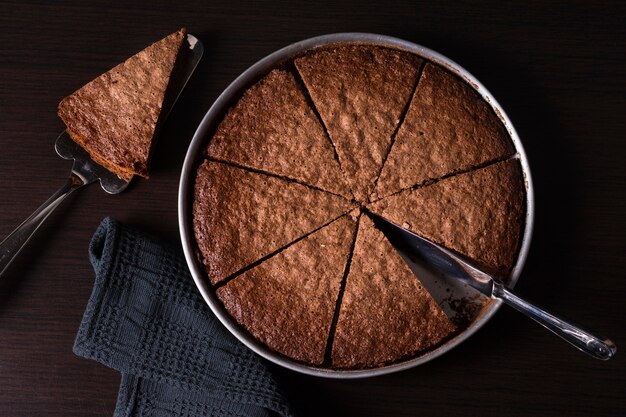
(146, 319)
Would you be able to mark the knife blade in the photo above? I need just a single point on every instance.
(436, 256)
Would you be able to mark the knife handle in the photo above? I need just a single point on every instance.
(15, 242)
(593, 345)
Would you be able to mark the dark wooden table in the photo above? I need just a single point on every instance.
(558, 70)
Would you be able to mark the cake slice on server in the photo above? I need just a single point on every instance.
(478, 214)
(385, 313)
(287, 302)
(360, 93)
(448, 128)
(242, 216)
(273, 129)
(115, 116)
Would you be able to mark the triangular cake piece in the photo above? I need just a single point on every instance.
(114, 117)
(242, 216)
(273, 129)
(360, 92)
(478, 214)
(385, 313)
(288, 301)
(448, 128)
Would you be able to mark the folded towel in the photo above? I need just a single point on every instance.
(146, 319)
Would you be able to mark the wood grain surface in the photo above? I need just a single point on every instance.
(556, 67)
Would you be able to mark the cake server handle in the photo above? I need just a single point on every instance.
(15, 242)
(594, 345)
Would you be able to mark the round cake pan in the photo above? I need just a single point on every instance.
(214, 116)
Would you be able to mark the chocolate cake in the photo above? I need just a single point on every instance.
(115, 116)
(478, 214)
(242, 216)
(259, 131)
(385, 313)
(360, 93)
(288, 301)
(448, 128)
(289, 265)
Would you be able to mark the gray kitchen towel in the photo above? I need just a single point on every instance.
(146, 319)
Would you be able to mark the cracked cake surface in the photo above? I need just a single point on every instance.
(114, 117)
(242, 216)
(478, 214)
(385, 312)
(259, 131)
(410, 142)
(448, 127)
(360, 93)
(288, 301)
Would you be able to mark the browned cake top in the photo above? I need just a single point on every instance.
(448, 128)
(241, 216)
(360, 93)
(385, 313)
(288, 301)
(478, 214)
(114, 116)
(273, 128)
(274, 236)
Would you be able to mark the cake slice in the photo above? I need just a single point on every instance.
(287, 302)
(448, 128)
(478, 214)
(242, 216)
(273, 129)
(385, 313)
(115, 116)
(360, 92)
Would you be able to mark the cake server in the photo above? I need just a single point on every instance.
(455, 266)
(85, 171)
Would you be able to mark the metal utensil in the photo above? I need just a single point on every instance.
(85, 171)
(453, 265)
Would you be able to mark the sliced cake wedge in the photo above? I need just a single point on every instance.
(242, 216)
(448, 128)
(385, 313)
(478, 214)
(287, 302)
(273, 129)
(360, 92)
(115, 116)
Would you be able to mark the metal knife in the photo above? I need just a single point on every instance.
(453, 265)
